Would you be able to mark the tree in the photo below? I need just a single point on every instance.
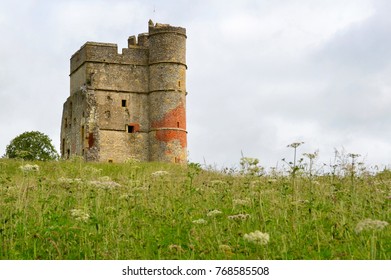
(33, 145)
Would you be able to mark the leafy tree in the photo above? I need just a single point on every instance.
(33, 145)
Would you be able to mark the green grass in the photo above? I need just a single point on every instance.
(132, 214)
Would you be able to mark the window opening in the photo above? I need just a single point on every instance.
(177, 124)
(130, 128)
(63, 147)
(82, 135)
(123, 103)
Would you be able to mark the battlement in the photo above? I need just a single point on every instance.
(135, 54)
(159, 28)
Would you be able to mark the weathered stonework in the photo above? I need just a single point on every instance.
(129, 105)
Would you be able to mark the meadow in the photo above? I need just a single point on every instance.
(77, 210)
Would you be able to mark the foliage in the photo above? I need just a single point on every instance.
(68, 210)
(33, 145)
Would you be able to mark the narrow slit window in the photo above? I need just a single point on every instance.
(177, 124)
(63, 147)
(123, 102)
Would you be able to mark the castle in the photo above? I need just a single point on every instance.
(130, 104)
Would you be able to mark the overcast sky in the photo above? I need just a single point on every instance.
(261, 73)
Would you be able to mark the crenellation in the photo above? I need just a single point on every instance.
(142, 40)
(130, 104)
(132, 41)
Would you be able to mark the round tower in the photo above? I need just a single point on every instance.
(167, 93)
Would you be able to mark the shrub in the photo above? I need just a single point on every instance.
(33, 145)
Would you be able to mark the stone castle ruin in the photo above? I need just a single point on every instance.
(128, 105)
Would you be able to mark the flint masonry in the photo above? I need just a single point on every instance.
(130, 104)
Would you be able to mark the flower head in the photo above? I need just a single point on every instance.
(199, 221)
(257, 237)
(213, 213)
(369, 224)
(29, 168)
(160, 173)
(239, 217)
(80, 215)
(242, 202)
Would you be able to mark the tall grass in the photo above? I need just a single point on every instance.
(77, 210)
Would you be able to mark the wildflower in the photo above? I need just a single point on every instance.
(257, 237)
(213, 213)
(239, 217)
(295, 145)
(80, 215)
(160, 173)
(369, 224)
(242, 202)
(104, 184)
(29, 168)
(199, 221)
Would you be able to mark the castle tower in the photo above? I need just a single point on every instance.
(167, 93)
(129, 104)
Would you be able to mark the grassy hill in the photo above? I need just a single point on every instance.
(77, 210)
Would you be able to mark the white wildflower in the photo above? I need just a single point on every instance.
(80, 215)
(159, 173)
(107, 185)
(239, 217)
(242, 202)
(213, 213)
(369, 224)
(257, 237)
(199, 221)
(29, 168)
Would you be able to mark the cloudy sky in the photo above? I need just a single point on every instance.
(261, 73)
